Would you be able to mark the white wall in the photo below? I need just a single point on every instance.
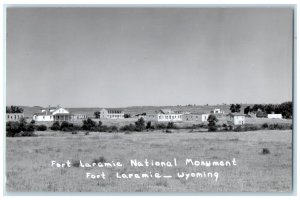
(204, 117)
(239, 120)
(169, 117)
(43, 118)
(275, 116)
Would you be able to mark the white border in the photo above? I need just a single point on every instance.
(208, 3)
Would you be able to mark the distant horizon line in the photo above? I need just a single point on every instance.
(222, 104)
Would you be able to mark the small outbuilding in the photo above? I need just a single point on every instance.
(236, 118)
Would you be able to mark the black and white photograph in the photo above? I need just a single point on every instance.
(149, 99)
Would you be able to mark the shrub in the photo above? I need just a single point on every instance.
(265, 151)
(27, 134)
(112, 129)
(29, 128)
(88, 124)
(265, 125)
(238, 129)
(87, 133)
(161, 126)
(55, 126)
(32, 122)
(66, 126)
(171, 125)
(212, 128)
(12, 128)
(212, 120)
(140, 125)
(41, 127)
(148, 126)
(129, 127)
(74, 132)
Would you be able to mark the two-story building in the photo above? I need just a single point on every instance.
(111, 113)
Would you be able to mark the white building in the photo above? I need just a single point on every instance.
(48, 115)
(275, 116)
(14, 116)
(45, 115)
(218, 111)
(167, 115)
(236, 118)
(111, 114)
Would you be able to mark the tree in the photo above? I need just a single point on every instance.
(148, 126)
(97, 114)
(212, 120)
(247, 110)
(235, 108)
(140, 125)
(14, 109)
(88, 124)
(127, 115)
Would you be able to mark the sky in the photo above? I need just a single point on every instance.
(119, 57)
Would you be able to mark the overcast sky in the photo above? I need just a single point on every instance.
(115, 57)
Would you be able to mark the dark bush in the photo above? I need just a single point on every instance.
(129, 127)
(41, 127)
(212, 128)
(171, 125)
(238, 129)
(265, 151)
(12, 128)
(55, 126)
(112, 129)
(140, 125)
(66, 126)
(88, 125)
(148, 126)
(265, 125)
(27, 134)
(161, 126)
(74, 132)
(87, 133)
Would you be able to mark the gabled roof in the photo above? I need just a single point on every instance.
(115, 110)
(168, 111)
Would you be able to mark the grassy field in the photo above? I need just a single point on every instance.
(28, 161)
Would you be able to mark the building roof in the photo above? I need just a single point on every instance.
(168, 111)
(113, 110)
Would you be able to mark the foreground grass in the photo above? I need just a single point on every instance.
(28, 161)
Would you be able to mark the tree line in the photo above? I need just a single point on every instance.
(14, 109)
(286, 109)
